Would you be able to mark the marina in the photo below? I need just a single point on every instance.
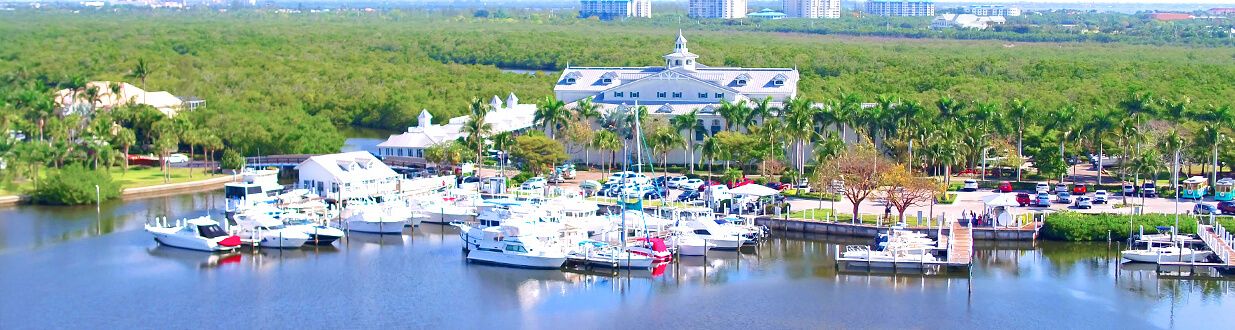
(407, 280)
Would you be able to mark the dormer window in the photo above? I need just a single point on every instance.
(608, 77)
(779, 80)
(741, 79)
(570, 80)
(778, 83)
(606, 81)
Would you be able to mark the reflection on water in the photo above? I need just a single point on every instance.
(70, 259)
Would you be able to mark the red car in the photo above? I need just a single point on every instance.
(1023, 199)
(740, 182)
(1005, 187)
(778, 186)
(707, 184)
(1080, 189)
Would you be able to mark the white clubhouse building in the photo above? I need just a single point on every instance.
(510, 116)
(680, 86)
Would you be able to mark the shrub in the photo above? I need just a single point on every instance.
(1072, 226)
(74, 185)
(947, 198)
(519, 178)
(231, 160)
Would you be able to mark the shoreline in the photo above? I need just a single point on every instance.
(142, 192)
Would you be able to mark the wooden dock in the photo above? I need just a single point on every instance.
(1219, 241)
(960, 245)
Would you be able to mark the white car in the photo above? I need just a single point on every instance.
(533, 183)
(675, 182)
(970, 185)
(1062, 188)
(691, 184)
(177, 158)
(1042, 187)
(1100, 196)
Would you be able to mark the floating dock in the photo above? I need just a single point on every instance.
(1219, 240)
(957, 246)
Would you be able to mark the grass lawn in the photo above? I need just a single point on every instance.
(822, 214)
(135, 177)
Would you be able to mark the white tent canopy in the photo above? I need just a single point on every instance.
(994, 200)
(754, 190)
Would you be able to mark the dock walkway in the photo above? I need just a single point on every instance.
(1219, 241)
(960, 245)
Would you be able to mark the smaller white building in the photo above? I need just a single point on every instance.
(966, 21)
(993, 10)
(70, 101)
(348, 175)
(510, 116)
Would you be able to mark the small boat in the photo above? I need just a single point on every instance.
(373, 220)
(863, 256)
(265, 231)
(1156, 251)
(691, 245)
(319, 234)
(202, 234)
(654, 248)
(602, 254)
(505, 247)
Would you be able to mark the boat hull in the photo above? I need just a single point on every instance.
(438, 217)
(517, 261)
(692, 250)
(1151, 257)
(190, 244)
(384, 227)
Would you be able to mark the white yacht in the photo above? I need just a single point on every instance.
(690, 245)
(255, 187)
(319, 234)
(1157, 250)
(506, 246)
(203, 234)
(371, 219)
(265, 231)
(702, 224)
(861, 255)
(444, 210)
(602, 254)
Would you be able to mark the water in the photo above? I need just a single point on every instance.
(363, 139)
(67, 267)
(527, 71)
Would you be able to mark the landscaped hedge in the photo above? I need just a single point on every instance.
(75, 185)
(1072, 226)
(947, 198)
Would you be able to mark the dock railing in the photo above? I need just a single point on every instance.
(1219, 242)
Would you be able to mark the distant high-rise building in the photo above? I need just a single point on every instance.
(727, 9)
(900, 7)
(812, 8)
(610, 9)
(993, 10)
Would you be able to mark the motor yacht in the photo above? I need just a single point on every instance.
(653, 247)
(263, 230)
(863, 256)
(254, 187)
(202, 234)
(319, 234)
(690, 245)
(506, 246)
(371, 219)
(1156, 251)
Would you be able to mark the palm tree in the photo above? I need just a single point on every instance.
(688, 122)
(586, 111)
(606, 140)
(116, 88)
(762, 109)
(1214, 119)
(664, 140)
(551, 113)
(711, 149)
(799, 115)
(733, 113)
(849, 106)
(125, 138)
(210, 144)
(141, 71)
(1020, 112)
(502, 142)
(1064, 122)
(476, 128)
(1099, 127)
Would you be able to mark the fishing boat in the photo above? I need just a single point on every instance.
(1156, 251)
(505, 246)
(202, 234)
(597, 253)
(263, 230)
(653, 247)
(863, 256)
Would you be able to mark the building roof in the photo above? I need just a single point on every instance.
(352, 166)
(163, 101)
(507, 118)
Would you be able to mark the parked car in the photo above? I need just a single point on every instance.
(556, 178)
(1100, 196)
(1149, 189)
(1005, 187)
(533, 183)
(970, 185)
(1043, 200)
(1080, 189)
(1203, 208)
(1064, 197)
(1041, 187)
(1023, 199)
(176, 158)
(691, 184)
(777, 186)
(1129, 189)
(1083, 202)
(1227, 207)
(1061, 188)
(709, 183)
(803, 185)
(676, 182)
(688, 195)
(740, 182)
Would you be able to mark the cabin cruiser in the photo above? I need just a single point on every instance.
(508, 246)
(1169, 250)
(319, 234)
(898, 237)
(861, 255)
(263, 230)
(751, 232)
(255, 187)
(690, 245)
(444, 211)
(603, 254)
(576, 212)
(371, 219)
(202, 234)
(653, 247)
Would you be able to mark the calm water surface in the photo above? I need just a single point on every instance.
(71, 267)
